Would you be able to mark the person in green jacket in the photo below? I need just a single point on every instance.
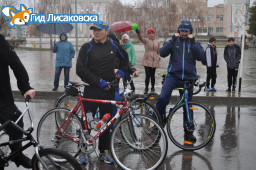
(128, 46)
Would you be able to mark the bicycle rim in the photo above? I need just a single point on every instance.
(49, 155)
(49, 125)
(67, 101)
(203, 127)
(146, 151)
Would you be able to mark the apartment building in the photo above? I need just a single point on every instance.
(215, 20)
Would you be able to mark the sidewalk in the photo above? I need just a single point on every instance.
(41, 68)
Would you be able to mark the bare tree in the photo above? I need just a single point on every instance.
(4, 28)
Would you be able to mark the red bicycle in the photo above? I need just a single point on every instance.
(137, 141)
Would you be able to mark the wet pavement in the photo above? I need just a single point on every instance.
(231, 148)
(41, 69)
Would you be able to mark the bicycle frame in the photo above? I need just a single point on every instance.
(184, 98)
(79, 104)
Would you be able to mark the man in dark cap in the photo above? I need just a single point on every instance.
(183, 51)
(97, 65)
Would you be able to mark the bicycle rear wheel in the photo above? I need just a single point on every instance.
(67, 101)
(142, 147)
(49, 155)
(50, 123)
(203, 126)
(152, 98)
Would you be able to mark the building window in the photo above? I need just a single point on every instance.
(187, 0)
(209, 18)
(210, 30)
(219, 29)
(205, 0)
(220, 17)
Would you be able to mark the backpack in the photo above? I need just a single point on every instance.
(204, 62)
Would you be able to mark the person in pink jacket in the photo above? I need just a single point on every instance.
(151, 59)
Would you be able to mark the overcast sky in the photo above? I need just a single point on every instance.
(211, 3)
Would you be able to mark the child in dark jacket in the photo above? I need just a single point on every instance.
(211, 64)
(232, 55)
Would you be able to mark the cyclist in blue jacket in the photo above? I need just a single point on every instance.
(183, 51)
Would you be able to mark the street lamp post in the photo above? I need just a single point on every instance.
(242, 51)
(76, 32)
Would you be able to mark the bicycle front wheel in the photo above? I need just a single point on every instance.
(48, 157)
(71, 129)
(142, 147)
(203, 123)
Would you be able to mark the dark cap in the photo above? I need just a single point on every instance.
(185, 26)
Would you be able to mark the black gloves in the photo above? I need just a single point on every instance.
(174, 37)
(192, 41)
(137, 31)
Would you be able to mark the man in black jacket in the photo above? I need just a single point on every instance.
(232, 55)
(96, 65)
(8, 110)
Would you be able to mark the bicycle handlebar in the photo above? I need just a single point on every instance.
(200, 87)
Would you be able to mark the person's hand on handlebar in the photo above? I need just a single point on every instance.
(31, 93)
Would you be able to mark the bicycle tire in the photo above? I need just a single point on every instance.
(140, 154)
(70, 162)
(204, 126)
(48, 125)
(143, 107)
(66, 101)
(152, 97)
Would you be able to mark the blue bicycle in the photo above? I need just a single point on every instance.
(190, 125)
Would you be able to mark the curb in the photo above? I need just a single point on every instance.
(204, 99)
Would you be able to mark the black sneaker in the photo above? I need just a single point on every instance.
(189, 137)
(55, 89)
(23, 161)
(146, 91)
(233, 89)
(228, 90)
(152, 89)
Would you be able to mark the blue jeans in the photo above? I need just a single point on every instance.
(170, 83)
(57, 76)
